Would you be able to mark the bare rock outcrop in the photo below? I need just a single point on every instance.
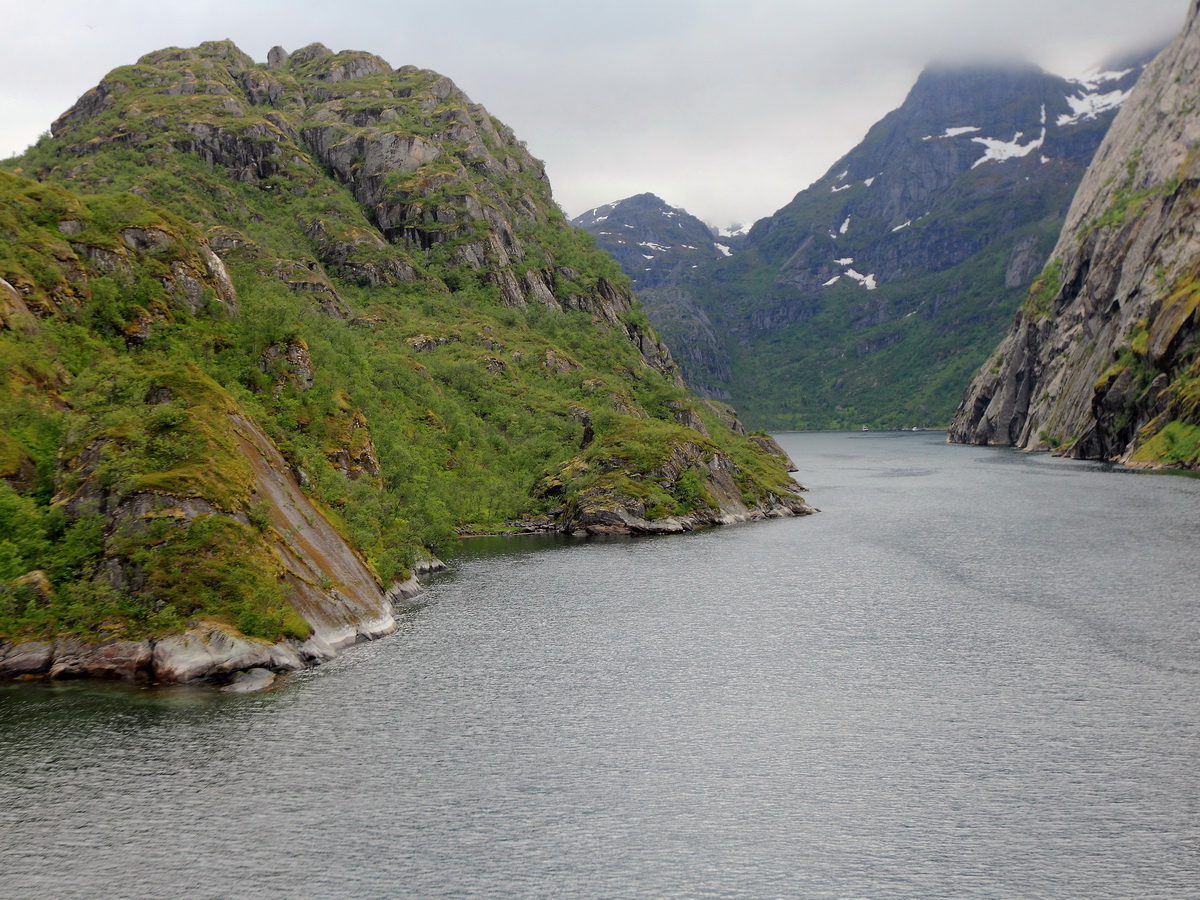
(1101, 359)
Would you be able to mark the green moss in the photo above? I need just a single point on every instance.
(1044, 289)
(1176, 443)
(214, 569)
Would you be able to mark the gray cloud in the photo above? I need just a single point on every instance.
(724, 108)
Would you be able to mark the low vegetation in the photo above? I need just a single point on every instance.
(412, 398)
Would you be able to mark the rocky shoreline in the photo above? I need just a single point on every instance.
(206, 652)
(214, 654)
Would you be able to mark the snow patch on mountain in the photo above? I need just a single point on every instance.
(737, 229)
(845, 226)
(998, 150)
(1085, 106)
(956, 131)
(867, 281)
(1091, 80)
(724, 249)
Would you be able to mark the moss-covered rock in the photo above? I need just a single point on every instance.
(272, 334)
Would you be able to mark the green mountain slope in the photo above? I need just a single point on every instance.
(272, 333)
(873, 295)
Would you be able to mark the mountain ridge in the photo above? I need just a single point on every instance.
(874, 293)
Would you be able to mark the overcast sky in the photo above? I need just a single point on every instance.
(726, 109)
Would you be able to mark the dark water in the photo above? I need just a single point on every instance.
(975, 674)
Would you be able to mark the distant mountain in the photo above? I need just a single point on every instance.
(657, 246)
(874, 294)
(1103, 361)
(654, 243)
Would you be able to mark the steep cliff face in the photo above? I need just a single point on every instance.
(274, 333)
(1102, 359)
(876, 292)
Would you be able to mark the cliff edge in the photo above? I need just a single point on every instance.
(1101, 362)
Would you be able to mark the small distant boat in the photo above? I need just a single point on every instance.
(865, 428)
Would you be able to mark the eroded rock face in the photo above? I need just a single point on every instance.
(331, 585)
(1097, 362)
(426, 165)
(609, 511)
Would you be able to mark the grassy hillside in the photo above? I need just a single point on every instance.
(355, 260)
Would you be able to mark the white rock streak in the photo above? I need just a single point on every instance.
(834, 280)
(904, 225)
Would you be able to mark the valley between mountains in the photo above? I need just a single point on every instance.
(276, 332)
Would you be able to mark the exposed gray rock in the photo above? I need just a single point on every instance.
(14, 314)
(251, 681)
(1024, 262)
(203, 653)
(27, 658)
(289, 361)
(116, 659)
(1088, 366)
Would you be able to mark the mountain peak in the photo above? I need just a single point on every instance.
(650, 239)
(233, 286)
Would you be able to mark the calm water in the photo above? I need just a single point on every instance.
(975, 674)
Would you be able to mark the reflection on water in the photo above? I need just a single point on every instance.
(973, 675)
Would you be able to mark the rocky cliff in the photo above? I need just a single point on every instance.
(874, 294)
(1101, 362)
(274, 333)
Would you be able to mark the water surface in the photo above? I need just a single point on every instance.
(975, 674)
